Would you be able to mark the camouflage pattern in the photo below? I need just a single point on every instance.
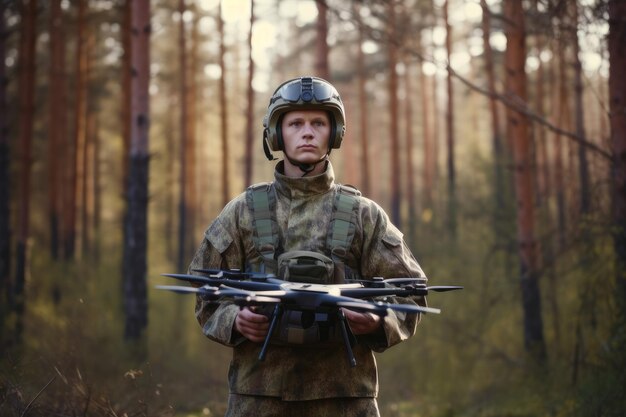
(303, 210)
(245, 406)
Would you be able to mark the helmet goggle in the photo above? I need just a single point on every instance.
(306, 90)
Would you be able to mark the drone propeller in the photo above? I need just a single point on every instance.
(381, 308)
(242, 297)
(405, 281)
(235, 274)
(196, 279)
(181, 289)
(240, 284)
(378, 282)
(444, 288)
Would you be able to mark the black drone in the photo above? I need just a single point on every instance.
(252, 289)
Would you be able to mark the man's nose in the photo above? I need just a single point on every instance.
(308, 129)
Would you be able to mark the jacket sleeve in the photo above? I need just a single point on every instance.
(386, 254)
(218, 249)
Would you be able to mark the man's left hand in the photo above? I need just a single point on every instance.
(362, 323)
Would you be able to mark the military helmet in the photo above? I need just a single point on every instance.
(304, 93)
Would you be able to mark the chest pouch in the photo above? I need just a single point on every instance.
(306, 327)
(305, 266)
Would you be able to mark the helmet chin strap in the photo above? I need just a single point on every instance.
(306, 168)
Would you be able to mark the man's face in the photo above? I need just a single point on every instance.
(305, 135)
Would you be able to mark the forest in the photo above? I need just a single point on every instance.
(493, 132)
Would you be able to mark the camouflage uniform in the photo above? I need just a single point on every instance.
(303, 211)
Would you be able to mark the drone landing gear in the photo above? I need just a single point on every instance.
(276, 314)
(348, 338)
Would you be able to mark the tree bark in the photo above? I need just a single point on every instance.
(517, 128)
(56, 121)
(617, 108)
(6, 299)
(392, 60)
(96, 188)
(75, 150)
(366, 187)
(408, 151)
(26, 124)
(223, 111)
(562, 110)
(498, 156)
(89, 117)
(136, 236)
(250, 105)
(126, 99)
(583, 165)
(428, 169)
(322, 69)
(452, 221)
(191, 124)
(183, 139)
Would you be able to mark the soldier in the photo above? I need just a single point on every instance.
(304, 227)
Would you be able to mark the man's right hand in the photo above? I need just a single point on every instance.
(251, 325)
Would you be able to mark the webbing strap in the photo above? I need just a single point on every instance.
(341, 229)
(263, 208)
(343, 226)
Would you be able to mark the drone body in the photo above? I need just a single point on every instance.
(315, 304)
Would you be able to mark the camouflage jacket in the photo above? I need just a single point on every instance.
(303, 207)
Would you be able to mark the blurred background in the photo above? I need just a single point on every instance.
(492, 132)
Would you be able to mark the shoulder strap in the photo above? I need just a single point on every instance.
(262, 201)
(342, 227)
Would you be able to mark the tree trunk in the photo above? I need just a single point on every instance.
(562, 109)
(363, 115)
(126, 80)
(223, 112)
(322, 69)
(543, 165)
(171, 193)
(87, 148)
(75, 165)
(27, 111)
(56, 120)
(583, 165)
(498, 156)
(617, 103)
(408, 151)
(192, 184)
(452, 222)
(392, 60)
(544, 192)
(5, 185)
(136, 236)
(427, 134)
(250, 123)
(183, 140)
(96, 188)
(517, 128)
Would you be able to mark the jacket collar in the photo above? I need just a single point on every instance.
(303, 186)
